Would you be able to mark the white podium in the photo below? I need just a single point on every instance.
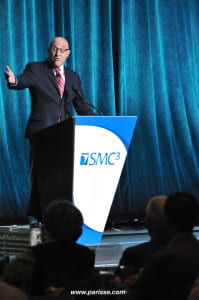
(100, 148)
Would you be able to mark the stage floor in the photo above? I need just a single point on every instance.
(14, 239)
(116, 240)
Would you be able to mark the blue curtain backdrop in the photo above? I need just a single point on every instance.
(135, 57)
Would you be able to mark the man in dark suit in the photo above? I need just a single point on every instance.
(54, 90)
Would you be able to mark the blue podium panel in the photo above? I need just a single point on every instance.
(100, 149)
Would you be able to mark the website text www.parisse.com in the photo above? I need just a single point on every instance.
(98, 292)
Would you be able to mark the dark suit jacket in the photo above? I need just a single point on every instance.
(47, 107)
(170, 273)
(68, 265)
(61, 265)
(134, 258)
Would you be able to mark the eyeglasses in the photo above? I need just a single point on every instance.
(54, 50)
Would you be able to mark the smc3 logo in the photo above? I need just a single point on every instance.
(98, 158)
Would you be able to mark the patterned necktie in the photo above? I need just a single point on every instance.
(60, 81)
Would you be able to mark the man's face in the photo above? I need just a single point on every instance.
(59, 52)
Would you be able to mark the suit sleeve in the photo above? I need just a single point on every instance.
(25, 80)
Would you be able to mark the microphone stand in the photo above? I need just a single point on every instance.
(79, 95)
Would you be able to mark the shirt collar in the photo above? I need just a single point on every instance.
(62, 69)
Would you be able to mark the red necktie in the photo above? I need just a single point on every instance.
(60, 81)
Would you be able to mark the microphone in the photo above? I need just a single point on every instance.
(79, 95)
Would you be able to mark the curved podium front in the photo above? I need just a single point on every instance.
(81, 159)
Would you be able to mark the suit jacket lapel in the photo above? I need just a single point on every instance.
(67, 79)
(48, 69)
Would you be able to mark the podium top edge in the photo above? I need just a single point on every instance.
(135, 116)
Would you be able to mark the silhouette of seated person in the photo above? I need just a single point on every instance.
(134, 258)
(194, 292)
(170, 273)
(59, 263)
(9, 292)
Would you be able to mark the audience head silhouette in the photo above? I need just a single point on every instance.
(10, 292)
(181, 211)
(63, 221)
(155, 219)
(194, 292)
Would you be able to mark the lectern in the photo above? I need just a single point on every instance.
(82, 159)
